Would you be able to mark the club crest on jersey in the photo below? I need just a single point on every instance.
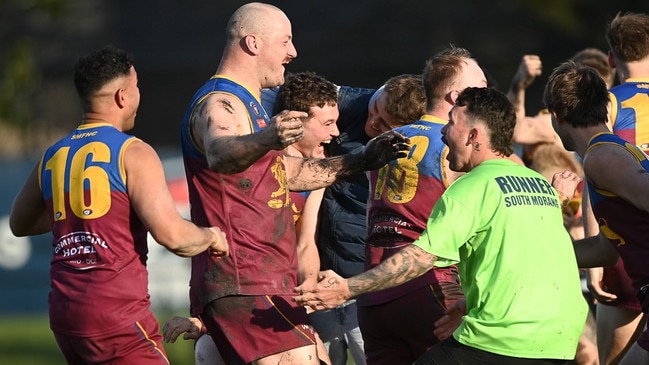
(261, 122)
(254, 108)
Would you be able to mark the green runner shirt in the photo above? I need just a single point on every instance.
(502, 224)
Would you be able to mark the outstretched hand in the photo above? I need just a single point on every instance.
(330, 292)
(174, 327)
(385, 148)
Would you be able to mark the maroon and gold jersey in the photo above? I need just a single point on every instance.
(402, 195)
(98, 269)
(252, 207)
(625, 225)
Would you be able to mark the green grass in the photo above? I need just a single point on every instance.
(29, 340)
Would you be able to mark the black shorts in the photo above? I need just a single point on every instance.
(451, 352)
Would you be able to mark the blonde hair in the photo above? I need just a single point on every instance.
(550, 158)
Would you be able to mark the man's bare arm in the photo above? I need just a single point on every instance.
(152, 201)
(333, 290)
(314, 173)
(28, 213)
(405, 265)
(221, 127)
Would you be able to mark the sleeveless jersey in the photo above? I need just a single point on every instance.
(252, 207)
(402, 195)
(298, 200)
(630, 111)
(98, 269)
(626, 226)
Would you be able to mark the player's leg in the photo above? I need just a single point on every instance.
(617, 330)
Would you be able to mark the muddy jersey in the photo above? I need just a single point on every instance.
(630, 111)
(402, 195)
(626, 226)
(98, 273)
(298, 200)
(252, 207)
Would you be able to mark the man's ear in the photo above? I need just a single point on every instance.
(451, 97)
(120, 98)
(252, 43)
(472, 136)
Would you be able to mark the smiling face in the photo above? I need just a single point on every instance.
(278, 49)
(319, 129)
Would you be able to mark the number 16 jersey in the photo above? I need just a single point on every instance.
(98, 273)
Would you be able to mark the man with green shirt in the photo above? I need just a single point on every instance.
(502, 224)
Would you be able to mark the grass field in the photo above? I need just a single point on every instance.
(28, 340)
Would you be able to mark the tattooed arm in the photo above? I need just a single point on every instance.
(332, 290)
(221, 127)
(314, 173)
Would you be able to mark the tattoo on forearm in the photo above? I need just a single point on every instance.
(407, 264)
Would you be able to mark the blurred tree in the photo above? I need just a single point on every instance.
(20, 74)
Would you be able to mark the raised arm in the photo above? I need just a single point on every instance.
(528, 70)
(315, 173)
(221, 127)
(152, 201)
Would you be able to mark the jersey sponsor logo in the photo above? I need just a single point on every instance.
(79, 249)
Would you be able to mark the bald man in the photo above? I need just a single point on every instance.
(239, 177)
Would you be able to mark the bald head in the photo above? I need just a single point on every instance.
(252, 18)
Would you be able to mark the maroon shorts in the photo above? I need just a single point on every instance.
(398, 331)
(617, 281)
(247, 328)
(139, 343)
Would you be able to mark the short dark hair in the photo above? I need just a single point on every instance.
(494, 109)
(577, 95)
(93, 71)
(303, 90)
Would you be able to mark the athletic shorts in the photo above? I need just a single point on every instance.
(617, 281)
(643, 339)
(398, 331)
(450, 351)
(247, 328)
(139, 343)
